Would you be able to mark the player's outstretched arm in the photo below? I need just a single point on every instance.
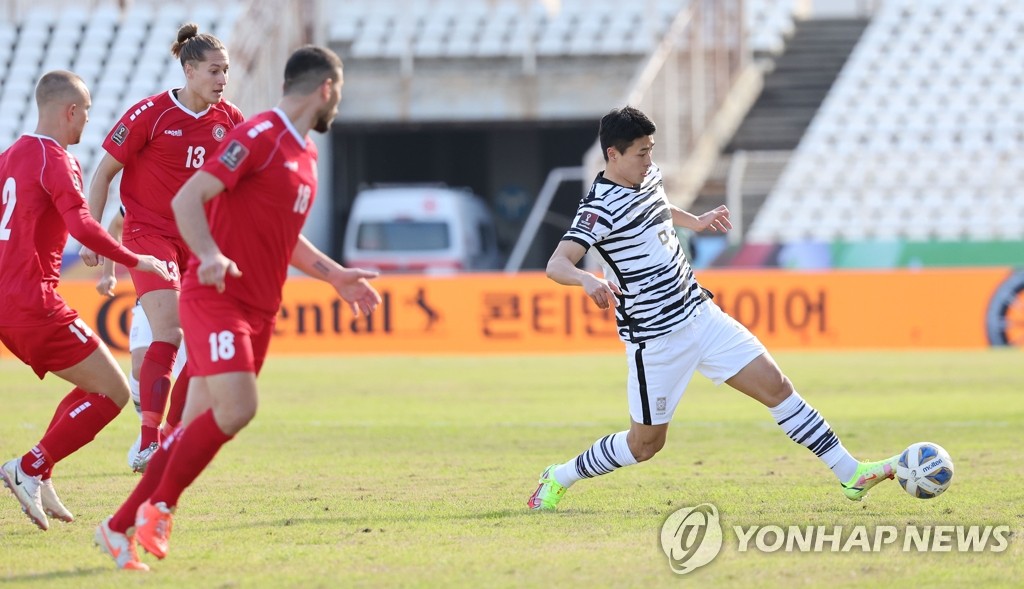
(716, 219)
(190, 216)
(562, 269)
(352, 284)
(98, 189)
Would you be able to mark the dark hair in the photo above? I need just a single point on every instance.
(60, 85)
(308, 67)
(192, 46)
(621, 127)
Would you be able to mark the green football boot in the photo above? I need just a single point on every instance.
(868, 475)
(548, 492)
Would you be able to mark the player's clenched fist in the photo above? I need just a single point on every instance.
(214, 269)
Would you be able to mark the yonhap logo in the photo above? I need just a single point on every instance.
(691, 537)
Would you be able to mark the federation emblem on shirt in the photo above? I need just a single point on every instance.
(119, 134)
(219, 132)
(587, 221)
(233, 155)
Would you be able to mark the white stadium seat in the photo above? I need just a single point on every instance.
(924, 116)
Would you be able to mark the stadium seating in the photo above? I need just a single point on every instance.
(122, 57)
(504, 28)
(921, 137)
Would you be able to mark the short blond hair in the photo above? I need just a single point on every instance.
(60, 86)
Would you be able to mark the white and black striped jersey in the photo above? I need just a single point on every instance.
(632, 230)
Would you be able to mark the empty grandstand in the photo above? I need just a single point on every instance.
(915, 138)
(921, 137)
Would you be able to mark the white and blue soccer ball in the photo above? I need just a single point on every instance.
(924, 470)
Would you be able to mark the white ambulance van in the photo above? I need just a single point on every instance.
(428, 229)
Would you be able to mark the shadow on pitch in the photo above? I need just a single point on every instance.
(42, 578)
(368, 525)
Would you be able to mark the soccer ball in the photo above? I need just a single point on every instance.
(924, 470)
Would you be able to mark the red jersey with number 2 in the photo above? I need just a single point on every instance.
(42, 189)
(161, 144)
(269, 174)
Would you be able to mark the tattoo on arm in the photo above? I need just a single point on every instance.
(321, 267)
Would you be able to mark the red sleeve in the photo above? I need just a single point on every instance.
(233, 160)
(64, 183)
(85, 229)
(130, 134)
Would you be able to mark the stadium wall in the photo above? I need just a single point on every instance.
(527, 313)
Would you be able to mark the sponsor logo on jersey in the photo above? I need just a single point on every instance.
(219, 132)
(173, 132)
(233, 155)
(119, 134)
(292, 165)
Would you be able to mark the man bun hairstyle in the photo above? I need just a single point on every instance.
(621, 127)
(192, 46)
(308, 67)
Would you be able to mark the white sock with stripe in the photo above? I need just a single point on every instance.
(805, 426)
(133, 386)
(607, 454)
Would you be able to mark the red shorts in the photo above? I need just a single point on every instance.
(54, 346)
(170, 250)
(222, 337)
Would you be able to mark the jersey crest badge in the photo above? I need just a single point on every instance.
(233, 155)
(219, 132)
(119, 134)
(587, 221)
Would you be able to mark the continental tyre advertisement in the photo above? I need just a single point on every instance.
(527, 313)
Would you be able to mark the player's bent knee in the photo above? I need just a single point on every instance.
(645, 452)
(117, 391)
(171, 335)
(235, 419)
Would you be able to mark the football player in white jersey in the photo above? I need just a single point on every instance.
(670, 325)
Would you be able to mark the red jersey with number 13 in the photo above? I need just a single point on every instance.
(161, 144)
(269, 174)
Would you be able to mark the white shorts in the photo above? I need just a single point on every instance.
(141, 335)
(712, 343)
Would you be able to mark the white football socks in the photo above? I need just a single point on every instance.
(805, 426)
(607, 454)
(133, 385)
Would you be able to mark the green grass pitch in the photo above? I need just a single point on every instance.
(389, 472)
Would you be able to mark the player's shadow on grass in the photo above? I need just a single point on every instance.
(42, 578)
(360, 524)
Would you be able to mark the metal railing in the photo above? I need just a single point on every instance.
(686, 82)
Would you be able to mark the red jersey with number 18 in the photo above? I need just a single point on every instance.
(269, 174)
(161, 144)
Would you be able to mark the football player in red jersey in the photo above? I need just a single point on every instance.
(159, 143)
(241, 215)
(42, 202)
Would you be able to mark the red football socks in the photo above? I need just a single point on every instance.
(73, 397)
(178, 395)
(125, 516)
(194, 450)
(79, 424)
(154, 386)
